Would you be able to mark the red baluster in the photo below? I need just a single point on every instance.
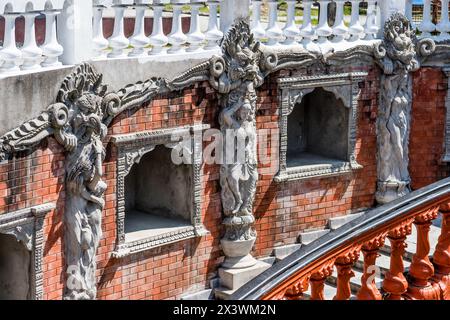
(421, 269)
(441, 257)
(295, 292)
(344, 266)
(318, 281)
(369, 290)
(395, 284)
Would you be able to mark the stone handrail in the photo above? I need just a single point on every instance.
(312, 264)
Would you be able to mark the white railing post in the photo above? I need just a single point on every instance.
(230, 10)
(340, 30)
(427, 26)
(444, 25)
(176, 37)
(139, 40)
(323, 29)
(100, 44)
(371, 27)
(388, 8)
(195, 37)
(408, 10)
(51, 48)
(257, 29)
(355, 28)
(31, 53)
(291, 30)
(273, 32)
(213, 34)
(307, 30)
(158, 39)
(9, 53)
(74, 32)
(118, 42)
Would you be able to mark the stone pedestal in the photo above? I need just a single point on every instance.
(233, 279)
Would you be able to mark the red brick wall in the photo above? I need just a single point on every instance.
(282, 209)
(285, 209)
(428, 127)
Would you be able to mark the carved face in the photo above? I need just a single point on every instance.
(89, 103)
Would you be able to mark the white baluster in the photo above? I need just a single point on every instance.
(273, 32)
(100, 44)
(177, 38)
(158, 39)
(139, 40)
(291, 31)
(257, 29)
(9, 53)
(444, 25)
(340, 30)
(408, 10)
(371, 22)
(323, 29)
(118, 42)
(307, 30)
(31, 53)
(51, 49)
(355, 29)
(195, 36)
(213, 34)
(427, 26)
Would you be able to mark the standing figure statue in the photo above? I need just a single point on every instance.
(398, 56)
(236, 76)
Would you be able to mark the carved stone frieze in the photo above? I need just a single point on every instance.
(398, 55)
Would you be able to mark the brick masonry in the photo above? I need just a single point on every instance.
(282, 209)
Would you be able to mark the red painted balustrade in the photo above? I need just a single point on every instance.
(428, 277)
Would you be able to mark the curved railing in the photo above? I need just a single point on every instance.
(311, 265)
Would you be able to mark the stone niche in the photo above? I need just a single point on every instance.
(318, 125)
(158, 199)
(158, 195)
(21, 247)
(15, 274)
(317, 130)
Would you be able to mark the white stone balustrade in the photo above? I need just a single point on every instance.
(204, 27)
(307, 23)
(28, 55)
(439, 31)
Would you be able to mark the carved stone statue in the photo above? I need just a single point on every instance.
(398, 55)
(78, 120)
(236, 76)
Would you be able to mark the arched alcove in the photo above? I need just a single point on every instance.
(15, 275)
(317, 130)
(158, 195)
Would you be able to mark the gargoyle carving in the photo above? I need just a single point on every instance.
(398, 55)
